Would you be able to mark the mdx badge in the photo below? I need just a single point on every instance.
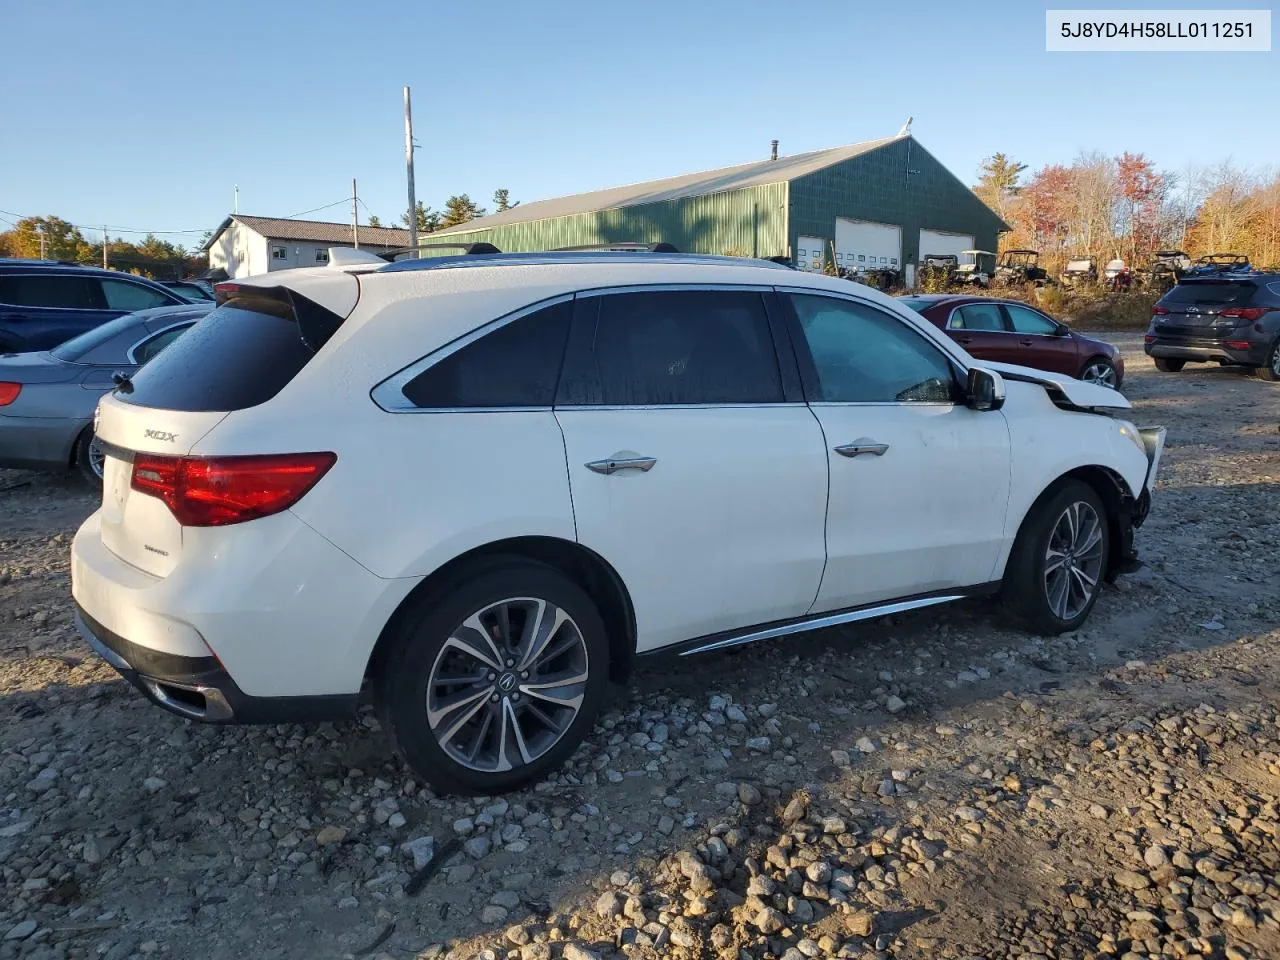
(160, 435)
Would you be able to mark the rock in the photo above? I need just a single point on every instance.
(970, 814)
(769, 921)
(574, 951)
(21, 930)
(396, 821)
(154, 784)
(861, 923)
(517, 935)
(328, 836)
(493, 914)
(895, 705)
(422, 849)
(535, 951)
(1154, 857)
(759, 744)
(609, 905)
(818, 872)
(748, 794)
(478, 847)
(795, 809)
(1098, 811)
(506, 898)
(1132, 880)
(865, 745)
(464, 826)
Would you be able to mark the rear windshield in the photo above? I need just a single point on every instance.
(919, 306)
(1209, 291)
(77, 347)
(241, 354)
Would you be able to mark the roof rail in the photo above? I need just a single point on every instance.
(622, 246)
(570, 256)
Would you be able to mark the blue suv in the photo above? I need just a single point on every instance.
(45, 302)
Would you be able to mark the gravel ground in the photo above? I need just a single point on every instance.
(929, 785)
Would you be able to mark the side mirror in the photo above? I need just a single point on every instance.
(984, 389)
(1062, 330)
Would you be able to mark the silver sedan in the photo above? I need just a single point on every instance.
(47, 399)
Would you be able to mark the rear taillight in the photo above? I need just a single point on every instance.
(1244, 313)
(1149, 338)
(9, 392)
(1238, 344)
(216, 491)
(1159, 311)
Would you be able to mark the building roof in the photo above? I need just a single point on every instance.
(315, 231)
(674, 188)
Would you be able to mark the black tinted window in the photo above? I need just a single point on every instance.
(240, 355)
(75, 348)
(149, 348)
(516, 365)
(127, 295)
(675, 347)
(977, 316)
(863, 355)
(1223, 292)
(68, 292)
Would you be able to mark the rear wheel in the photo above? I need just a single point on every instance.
(1099, 370)
(1270, 370)
(89, 456)
(491, 686)
(1169, 365)
(1056, 568)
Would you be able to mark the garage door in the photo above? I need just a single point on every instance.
(941, 242)
(861, 244)
(810, 253)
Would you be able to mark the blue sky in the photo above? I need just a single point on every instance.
(144, 114)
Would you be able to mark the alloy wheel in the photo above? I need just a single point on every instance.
(507, 684)
(97, 457)
(1275, 360)
(1073, 560)
(1100, 373)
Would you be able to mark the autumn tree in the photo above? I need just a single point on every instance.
(61, 240)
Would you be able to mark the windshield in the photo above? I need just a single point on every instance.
(1221, 292)
(1079, 264)
(916, 304)
(75, 348)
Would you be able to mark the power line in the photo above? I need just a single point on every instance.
(97, 227)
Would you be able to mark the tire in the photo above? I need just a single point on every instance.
(1169, 365)
(1047, 599)
(88, 457)
(503, 736)
(1101, 371)
(1270, 369)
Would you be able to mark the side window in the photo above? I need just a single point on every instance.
(516, 365)
(976, 316)
(123, 295)
(1026, 320)
(149, 348)
(56, 290)
(685, 347)
(864, 355)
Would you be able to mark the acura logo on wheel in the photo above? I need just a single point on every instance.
(507, 682)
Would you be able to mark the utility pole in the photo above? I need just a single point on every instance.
(41, 242)
(105, 242)
(408, 160)
(355, 216)
(236, 204)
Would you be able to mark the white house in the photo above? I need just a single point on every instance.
(244, 245)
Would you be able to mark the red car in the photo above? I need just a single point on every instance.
(1009, 331)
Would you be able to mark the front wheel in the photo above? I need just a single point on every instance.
(1099, 370)
(1169, 365)
(89, 457)
(1057, 564)
(1270, 370)
(491, 686)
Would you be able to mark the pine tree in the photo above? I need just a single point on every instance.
(502, 200)
(998, 182)
(460, 209)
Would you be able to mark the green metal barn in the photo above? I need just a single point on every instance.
(884, 203)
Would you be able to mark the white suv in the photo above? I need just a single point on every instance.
(484, 486)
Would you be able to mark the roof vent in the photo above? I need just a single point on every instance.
(773, 149)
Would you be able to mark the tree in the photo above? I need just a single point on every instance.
(428, 219)
(374, 221)
(999, 182)
(61, 240)
(460, 208)
(502, 200)
(1138, 208)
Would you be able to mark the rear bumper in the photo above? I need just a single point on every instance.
(37, 443)
(198, 688)
(1205, 350)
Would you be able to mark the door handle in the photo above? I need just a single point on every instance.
(965, 339)
(860, 446)
(1026, 343)
(614, 464)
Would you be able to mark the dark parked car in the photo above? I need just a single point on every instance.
(1009, 331)
(189, 290)
(45, 302)
(1224, 318)
(47, 399)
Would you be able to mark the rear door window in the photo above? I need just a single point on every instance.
(977, 316)
(61, 291)
(126, 295)
(669, 347)
(1026, 320)
(151, 347)
(516, 365)
(242, 354)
